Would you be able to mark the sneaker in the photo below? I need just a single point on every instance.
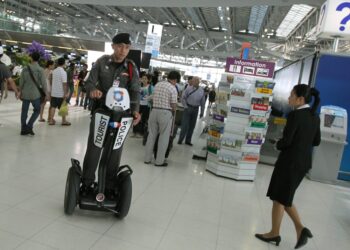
(31, 132)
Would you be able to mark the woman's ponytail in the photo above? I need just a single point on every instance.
(316, 94)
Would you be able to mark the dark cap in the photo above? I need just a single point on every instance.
(122, 38)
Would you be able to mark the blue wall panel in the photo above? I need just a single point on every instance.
(333, 82)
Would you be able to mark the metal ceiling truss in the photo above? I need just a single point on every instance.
(187, 31)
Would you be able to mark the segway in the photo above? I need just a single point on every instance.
(112, 124)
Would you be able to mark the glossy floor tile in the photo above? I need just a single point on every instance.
(180, 207)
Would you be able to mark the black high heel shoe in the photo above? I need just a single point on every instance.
(276, 239)
(305, 234)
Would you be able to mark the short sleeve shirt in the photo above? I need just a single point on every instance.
(59, 76)
(164, 95)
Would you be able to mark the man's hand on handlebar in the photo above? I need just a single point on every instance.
(137, 118)
(95, 94)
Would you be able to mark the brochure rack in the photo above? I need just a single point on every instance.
(239, 126)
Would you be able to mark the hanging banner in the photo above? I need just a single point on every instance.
(334, 20)
(250, 67)
(154, 36)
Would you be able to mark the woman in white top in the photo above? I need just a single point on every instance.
(48, 75)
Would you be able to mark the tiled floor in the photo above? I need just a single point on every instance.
(175, 208)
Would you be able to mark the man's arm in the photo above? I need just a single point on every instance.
(13, 86)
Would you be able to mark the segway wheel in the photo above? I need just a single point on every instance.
(71, 194)
(124, 197)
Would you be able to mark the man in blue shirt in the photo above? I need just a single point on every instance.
(192, 98)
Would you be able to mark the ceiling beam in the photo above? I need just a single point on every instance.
(195, 3)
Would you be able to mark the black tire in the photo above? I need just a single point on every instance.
(71, 194)
(125, 194)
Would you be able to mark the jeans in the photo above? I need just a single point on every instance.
(36, 112)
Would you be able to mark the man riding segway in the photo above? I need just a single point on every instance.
(114, 85)
(109, 70)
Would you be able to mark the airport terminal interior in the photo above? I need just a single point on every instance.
(212, 194)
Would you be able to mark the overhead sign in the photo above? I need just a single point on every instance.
(250, 67)
(334, 20)
(154, 36)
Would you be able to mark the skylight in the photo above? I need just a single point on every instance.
(256, 18)
(295, 15)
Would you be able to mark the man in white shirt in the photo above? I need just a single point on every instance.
(59, 91)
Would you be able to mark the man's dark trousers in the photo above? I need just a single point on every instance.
(188, 123)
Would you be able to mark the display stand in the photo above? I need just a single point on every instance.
(239, 126)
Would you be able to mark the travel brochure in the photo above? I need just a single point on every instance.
(240, 90)
(229, 158)
(232, 141)
(248, 157)
(221, 109)
(257, 121)
(254, 137)
(218, 117)
(264, 87)
(213, 144)
(222, 97)
(261, 102)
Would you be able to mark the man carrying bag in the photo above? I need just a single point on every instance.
(32, 84)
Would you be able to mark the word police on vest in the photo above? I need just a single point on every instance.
(101, 124)
(122, 132)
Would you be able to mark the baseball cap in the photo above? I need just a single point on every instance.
(122, 38)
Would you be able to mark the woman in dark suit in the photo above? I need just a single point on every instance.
(302, 131)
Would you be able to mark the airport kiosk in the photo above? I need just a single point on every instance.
(328, 155)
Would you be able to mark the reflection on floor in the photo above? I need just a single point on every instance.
(179, 207)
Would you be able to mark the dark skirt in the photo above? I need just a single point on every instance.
(284, 182)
